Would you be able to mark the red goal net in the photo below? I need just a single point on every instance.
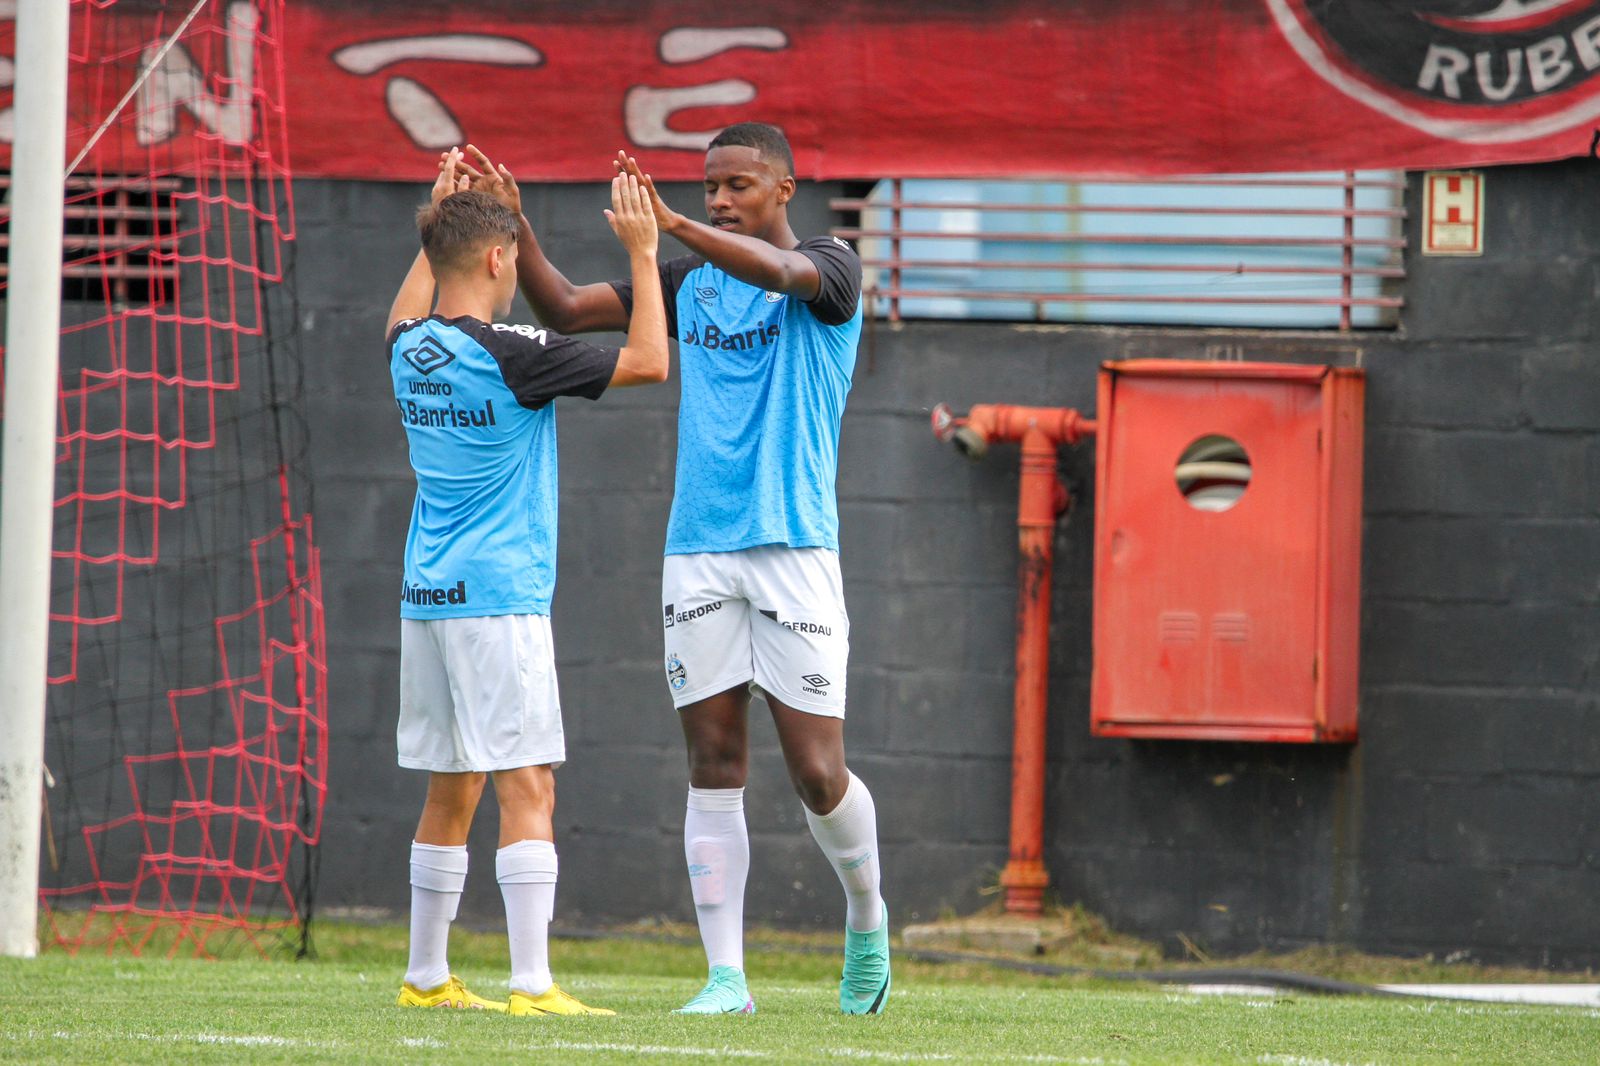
(186, 736)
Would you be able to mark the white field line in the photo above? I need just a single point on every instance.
(855, 1054)
(1301, 1060)
(1553, 994)
(248, 1040)
(215, 1038)
(645, 1049)
(1257, 991)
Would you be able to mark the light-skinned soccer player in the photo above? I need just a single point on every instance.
(767, 327)
(478, 693)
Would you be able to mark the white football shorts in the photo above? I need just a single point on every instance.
(772, 616)
(479, 694)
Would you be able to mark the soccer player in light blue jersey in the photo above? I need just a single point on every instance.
(767, 327)
(478, 693)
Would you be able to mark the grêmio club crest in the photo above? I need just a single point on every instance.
(1477, 71)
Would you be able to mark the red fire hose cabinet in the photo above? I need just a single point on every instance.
(1227, 551)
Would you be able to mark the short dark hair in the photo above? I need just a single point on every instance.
(457, 226)
(766, 139)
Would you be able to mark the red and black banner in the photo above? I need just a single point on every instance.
(868, 88)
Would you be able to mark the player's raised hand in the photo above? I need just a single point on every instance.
(666, 217)
(496, 180)
(630, 216)
(451, 178)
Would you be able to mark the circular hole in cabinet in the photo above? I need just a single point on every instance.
(1213, 472)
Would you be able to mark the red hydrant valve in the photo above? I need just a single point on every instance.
(1041, 500)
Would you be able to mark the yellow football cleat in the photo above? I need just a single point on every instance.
(450, 994)
(551, 1001)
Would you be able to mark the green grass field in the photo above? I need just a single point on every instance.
(338, 1009)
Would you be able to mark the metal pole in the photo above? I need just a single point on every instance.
(896, 189)
(1346, 288)
(27, 478)
(1039, 503)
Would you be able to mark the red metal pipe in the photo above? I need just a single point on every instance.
(1041, 500)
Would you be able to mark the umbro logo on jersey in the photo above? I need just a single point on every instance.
(428, 356)
(706, 294)
(841, 243)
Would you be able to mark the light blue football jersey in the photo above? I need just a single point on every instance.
(765, 376)
(475, 403)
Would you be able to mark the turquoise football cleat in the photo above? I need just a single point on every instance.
(864, 986)
(725, 993)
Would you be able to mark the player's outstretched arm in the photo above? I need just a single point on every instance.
(643, 361)
(749, 259)
(557, 302)
(415, 298)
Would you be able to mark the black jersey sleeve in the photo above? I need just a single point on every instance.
(839, 271)
(673, 271)
(394, 334)
(540, 364)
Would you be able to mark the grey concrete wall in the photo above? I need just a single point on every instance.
(1467, 818)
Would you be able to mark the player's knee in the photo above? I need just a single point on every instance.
(530, 789)
(819, 783)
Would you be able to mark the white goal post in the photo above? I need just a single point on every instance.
(27, 480)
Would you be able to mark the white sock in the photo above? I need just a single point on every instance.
(717, 848)
(437, 877)
(848, 836)
(526, 871)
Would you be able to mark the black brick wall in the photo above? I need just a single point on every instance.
(1467, 818)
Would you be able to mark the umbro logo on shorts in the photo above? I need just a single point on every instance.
(428, 356)
(815, 683)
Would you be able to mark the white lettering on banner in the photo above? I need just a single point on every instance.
(421, 114)
(690, 44)
(417, 109)
(1586, 39)
(179, 82)
(1444, 66)
(1484, 65)
(1548, 65)
(8, 119)
(647, 110)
